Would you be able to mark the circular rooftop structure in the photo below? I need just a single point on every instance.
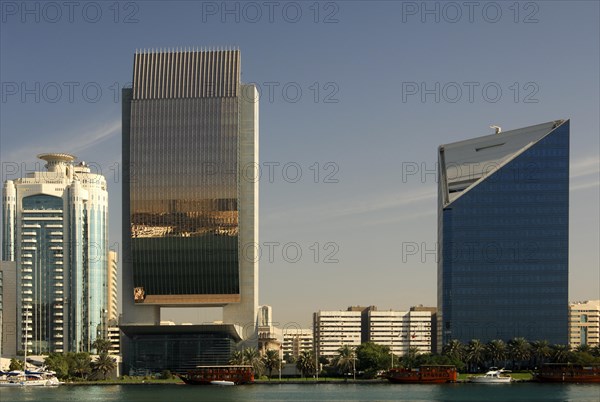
(57, 157)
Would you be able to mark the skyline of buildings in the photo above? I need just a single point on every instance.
(185, 250)
(503, 230)
(55, 230)
(190, 127)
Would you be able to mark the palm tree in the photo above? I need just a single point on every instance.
(519, 350)
(595, 351)
(104, 364)
(495, 351)
(271, 360)
(81, 364)
(306, 363)
(560, 353)
(540, 351)
(410, 358)
(252, 358)
(101, 345)
(345, 359)
(237, 358)
(454, 349)
(583, 348)
(475, 354)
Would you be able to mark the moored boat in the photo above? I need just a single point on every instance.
(222, 383)
(427, 374)
(568, 372)
(28, 379)
(493, 376)
(219, 375)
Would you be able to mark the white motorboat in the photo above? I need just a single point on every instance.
(494, 376)
(222, 383)
(28, 379)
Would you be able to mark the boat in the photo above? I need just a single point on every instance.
(493, 376)
(27, 378)
(426, 374)
(568, 372)
(219, 375)
(18, 378)
(222, 383)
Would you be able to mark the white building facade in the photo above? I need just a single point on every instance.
(584, 323)
(55, 229)
(401, 330)
(336, 329)
(296, 341)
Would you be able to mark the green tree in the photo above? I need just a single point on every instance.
(475, 354)
(16, 365)
(289, 358)
(372, 357)
(454, 349)
(104, 364)
(559, 353)
(518, 350)
(271, 361)
(583, 348)
(252, 357)
(58, 363)
(409, 360)
(540, 350)
(237, 358)
(345, 359)
(495, 351)
(306, 363)
(80, 364)
(101, 345)
(595, 351)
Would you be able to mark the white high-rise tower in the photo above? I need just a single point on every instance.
(55, 229)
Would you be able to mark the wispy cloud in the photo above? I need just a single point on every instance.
(380, 203)
(75, 141)
(585, 166)
(584, 185)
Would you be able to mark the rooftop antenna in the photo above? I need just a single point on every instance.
(497, 128)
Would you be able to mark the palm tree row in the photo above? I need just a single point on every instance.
(518, 351)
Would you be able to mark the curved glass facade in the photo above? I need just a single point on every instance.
(503, 270)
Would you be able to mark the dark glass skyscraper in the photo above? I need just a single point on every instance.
(190, 130)
(503, 227)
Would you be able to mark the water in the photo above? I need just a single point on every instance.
(529, 392)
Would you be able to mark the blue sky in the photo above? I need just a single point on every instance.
(358, 65)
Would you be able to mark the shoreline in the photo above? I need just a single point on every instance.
(277, 382)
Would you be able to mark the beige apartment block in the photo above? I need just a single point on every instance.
(584, 323)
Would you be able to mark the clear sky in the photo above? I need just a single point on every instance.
(382, 85)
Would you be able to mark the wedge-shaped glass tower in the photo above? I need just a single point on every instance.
(503, 236)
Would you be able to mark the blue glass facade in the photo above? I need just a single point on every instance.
(503, 268)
